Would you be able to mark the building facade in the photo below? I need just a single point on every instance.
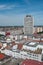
(38, 29)
(28, 24)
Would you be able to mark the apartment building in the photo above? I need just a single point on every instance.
(38, 29)
(28, 24)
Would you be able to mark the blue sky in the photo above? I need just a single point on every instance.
(12, 12)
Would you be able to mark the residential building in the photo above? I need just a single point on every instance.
(28, 24)
(38, 29)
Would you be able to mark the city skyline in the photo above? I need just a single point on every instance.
(12, 12)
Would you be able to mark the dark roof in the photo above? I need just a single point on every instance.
(28, 15)
(10, 26)
(38, 25)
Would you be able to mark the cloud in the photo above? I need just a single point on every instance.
(4, 7)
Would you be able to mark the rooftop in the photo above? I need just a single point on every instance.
(31, 62)
(28, 15)
(33, 44)
(38, 51)
(2, 56)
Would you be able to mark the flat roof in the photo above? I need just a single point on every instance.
(31, 44)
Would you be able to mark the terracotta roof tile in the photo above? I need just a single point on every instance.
(20, 46)
(2, 56)
(31, 62)
(8, 47)
(7, 33)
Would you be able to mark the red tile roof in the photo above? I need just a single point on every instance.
(13, 43)
(2, 56)
(20, 46)
(8, 47)
(7, 33)
(31, 62)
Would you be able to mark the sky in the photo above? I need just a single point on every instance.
(13, 12)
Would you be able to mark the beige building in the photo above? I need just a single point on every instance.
(38, 29)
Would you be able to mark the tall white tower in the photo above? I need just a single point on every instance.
(28, 24)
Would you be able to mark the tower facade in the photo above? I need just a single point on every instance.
(28, 24)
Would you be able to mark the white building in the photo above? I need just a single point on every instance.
(28, 24)
(2, 32)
